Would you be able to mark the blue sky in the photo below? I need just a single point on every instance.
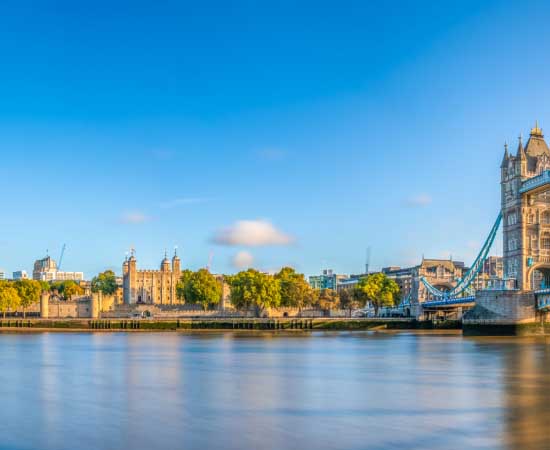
(317, 128)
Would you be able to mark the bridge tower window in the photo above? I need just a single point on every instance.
(546, 218)
(545, 241)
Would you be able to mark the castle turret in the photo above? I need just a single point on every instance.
(165, 264)
(505, 158)
(44, 305)
(176, 273)
(129, 272)
(176, 263)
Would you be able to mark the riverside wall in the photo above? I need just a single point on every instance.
(504, 313)
(284, 324)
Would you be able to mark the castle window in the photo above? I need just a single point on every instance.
(546, 218)
(545, 241)
(530, 218)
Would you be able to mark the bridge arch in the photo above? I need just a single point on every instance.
(538, 276)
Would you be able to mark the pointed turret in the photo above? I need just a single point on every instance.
(176, 264)
(506, 156)
(521, 152)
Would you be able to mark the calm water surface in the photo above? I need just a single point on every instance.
(270, 391)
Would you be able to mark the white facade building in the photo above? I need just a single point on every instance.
(20, 275)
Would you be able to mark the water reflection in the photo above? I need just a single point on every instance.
(527, 397)
(272, 391)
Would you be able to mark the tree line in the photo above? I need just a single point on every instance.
(258, 291)
(22, 294)
(249, 290)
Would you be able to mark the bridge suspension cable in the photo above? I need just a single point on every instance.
(472, 273)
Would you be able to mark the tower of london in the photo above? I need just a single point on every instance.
(151, 286)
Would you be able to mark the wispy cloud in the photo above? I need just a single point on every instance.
(418, 201)
(134, 217)
(182, 201)
(251, 233)
(242, 260)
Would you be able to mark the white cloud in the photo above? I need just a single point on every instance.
(252, 233)
(243, 260)
(134, 217)
(182, 201)
(418, 201)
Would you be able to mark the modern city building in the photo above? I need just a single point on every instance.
(45, 269)
(151, 286)
(327, 280)
(2, 275)
(20, 275)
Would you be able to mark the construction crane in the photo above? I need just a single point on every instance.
(61, 257)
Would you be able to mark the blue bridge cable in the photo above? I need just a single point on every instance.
(472, 273)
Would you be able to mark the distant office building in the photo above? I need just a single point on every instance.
(20, 275)
(46, 270)
(403, 276)
(327, 280)
(2, 275)
(493, 267)
(350, 282)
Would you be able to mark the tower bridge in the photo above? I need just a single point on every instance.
(524, 291)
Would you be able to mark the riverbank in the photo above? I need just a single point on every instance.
(113, 325)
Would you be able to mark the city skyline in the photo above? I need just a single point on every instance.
(211, 135)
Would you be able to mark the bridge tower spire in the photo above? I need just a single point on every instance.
(506, 157)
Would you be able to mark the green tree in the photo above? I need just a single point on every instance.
(9, 298)
(29, 293)
(70, 289)
(350, 300)
(105, 283)
(182, 282)
(203, 289)
(379, 290)
(67, 289)
(295, 290)
(251, 289)
(45, 286)
(328, 299)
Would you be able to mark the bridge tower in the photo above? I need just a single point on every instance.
(525, 200)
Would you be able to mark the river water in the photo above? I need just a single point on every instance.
(272, 391)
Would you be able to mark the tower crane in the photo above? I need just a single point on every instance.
(61, 256)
